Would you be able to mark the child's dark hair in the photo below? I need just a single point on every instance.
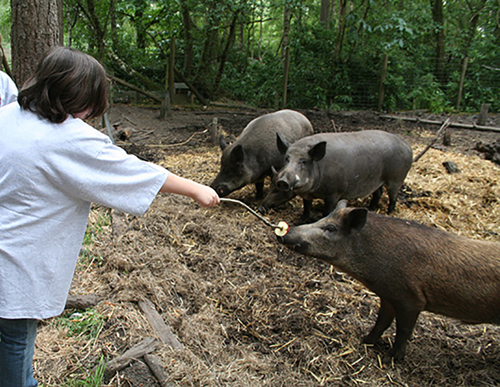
(66, 82)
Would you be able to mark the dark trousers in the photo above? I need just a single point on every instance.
(17, 347)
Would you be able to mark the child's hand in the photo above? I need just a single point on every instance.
(203, 194)
(206, 196)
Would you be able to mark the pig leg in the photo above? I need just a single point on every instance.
(406, 318)
(386, 314)
(376, 195)
(393, 190)
(329, 206)
(306, 215)
(259, 186)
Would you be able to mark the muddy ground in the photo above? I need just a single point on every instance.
(247, 311)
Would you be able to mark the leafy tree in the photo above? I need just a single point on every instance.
(235, 49)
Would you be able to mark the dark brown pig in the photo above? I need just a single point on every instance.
(411, 267)
(335, 166)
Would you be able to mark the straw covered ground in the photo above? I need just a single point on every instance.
(247, 311)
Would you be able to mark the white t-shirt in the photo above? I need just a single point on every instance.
(8, 89)
(49, 176)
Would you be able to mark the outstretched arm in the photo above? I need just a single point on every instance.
(202, 194)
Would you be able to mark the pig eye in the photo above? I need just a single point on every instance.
(331, 228)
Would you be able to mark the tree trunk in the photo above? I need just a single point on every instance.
(286, 52)
(437, 15)
(223, 59)
(188, 36)
(97, 30)
(324, 14)
(340, 28)
(37, 25)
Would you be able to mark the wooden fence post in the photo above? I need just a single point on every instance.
(382, 83)
(483, 115)
(461, 84)
(214, 131)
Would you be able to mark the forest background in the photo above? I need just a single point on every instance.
(437, 55)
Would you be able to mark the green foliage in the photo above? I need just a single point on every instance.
(337, 67)
(5, 21)
(96, 227)
(91, 378)
(86, 324)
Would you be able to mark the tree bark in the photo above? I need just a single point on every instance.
(286, 51)
(225, 53)
(188, 36)
(37, 25)
(437, 15)
(341, 28)
(324, 14)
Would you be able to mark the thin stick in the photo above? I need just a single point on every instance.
(445, 125)
(252, 211)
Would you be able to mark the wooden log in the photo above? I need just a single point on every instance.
(135, 88)
(82, 301)
(146, 346)
(154, 364)
(160, 327)
(453, 124)
(193, 89)
(451, 167)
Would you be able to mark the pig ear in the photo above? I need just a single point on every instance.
(222, 142)
(354, 219)
(317, 152)
(282, 144)
(237, 154)
(341, 204)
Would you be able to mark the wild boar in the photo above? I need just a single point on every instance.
(335, 166)
(411, 267)
(250, 158)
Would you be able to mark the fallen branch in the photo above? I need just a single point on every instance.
(135, 88)
(168, 145)
(146, 346)
(453, 124)
(153, 362)
(443, 127)
(82, 302)
(162, 330)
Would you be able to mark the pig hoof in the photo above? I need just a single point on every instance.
(393, 356)
(369, 339)
(262, 210)
(387, 360)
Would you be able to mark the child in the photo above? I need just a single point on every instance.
(8, 89)
(52, 167)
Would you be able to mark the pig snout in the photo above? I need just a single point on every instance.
(294, 241)
(285, 182)
(282, 185)
(222, 190)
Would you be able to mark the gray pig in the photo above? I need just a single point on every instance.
(411, 267)
(335, 166)
(250, 158)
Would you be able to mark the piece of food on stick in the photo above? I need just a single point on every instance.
(282, 229)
